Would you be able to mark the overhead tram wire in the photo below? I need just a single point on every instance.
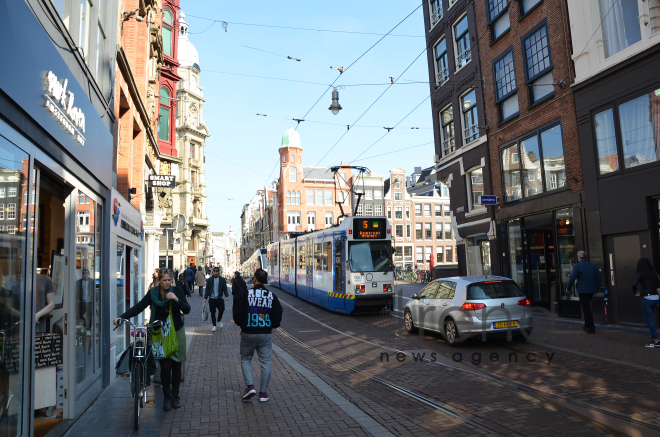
(360, 57)
(298, 28)
(394, 151)
(233, 163)
(314, 83)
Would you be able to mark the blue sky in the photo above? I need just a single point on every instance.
(241, 138)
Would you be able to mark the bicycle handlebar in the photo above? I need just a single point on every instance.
(147, 325)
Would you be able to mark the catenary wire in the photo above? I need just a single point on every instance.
(394, 151)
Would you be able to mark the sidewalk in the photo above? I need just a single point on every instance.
(211, 397)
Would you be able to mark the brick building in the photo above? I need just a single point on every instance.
(308, 197)
(525, 54)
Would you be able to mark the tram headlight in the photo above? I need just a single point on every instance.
(359, 288)
(387, 288)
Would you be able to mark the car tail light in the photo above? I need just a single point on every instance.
(524, 302)
(359, 288)
(387, 287)
(472, 306)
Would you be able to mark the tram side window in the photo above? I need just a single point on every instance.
(301, 257)
(317, 257)
(327, 258)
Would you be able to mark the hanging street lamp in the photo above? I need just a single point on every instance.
(335, 107)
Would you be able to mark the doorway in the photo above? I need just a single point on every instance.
(541, 272)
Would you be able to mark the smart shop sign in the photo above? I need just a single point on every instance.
(60, 103)
(162, 181)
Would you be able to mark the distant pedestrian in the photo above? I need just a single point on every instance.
(216, 286)
(588, 284)
(181, 283)
(190, 273)
(176, 272)
(257, 312)
(208, 268)
(647, 285)
(200, 280)
(238, 286)
(154, 278)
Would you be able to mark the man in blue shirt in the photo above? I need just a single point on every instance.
(588, 283)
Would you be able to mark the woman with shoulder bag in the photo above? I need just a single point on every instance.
(647, 285)
(168, 304)
(200, 280)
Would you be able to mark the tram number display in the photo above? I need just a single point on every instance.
(369, 229)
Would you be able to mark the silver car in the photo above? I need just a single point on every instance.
(465, 307)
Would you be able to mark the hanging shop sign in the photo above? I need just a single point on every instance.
(59, 102)
(162, 181)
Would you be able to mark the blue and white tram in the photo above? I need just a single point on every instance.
(256, 261)
(344, 268)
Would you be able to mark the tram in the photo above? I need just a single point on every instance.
(344, 268)
(256, 261)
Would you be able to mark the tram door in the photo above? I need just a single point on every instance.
(338, 273)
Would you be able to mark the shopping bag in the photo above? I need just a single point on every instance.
(124, 363)
(205, 313)
(163, 341)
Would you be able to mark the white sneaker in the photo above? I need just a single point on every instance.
(215, 329)
(221, 324)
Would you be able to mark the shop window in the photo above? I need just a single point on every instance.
(441, 63)
(470, 118)
(462, 41)
(639, 126)
(608, 158)
(506, 89)
(418, 231)
(436, 11)
(447, 131)
(164, 115)
(566, 253)
(620, 24)
(478, 255)
(498, 17)
(538, 63)
(167, 33)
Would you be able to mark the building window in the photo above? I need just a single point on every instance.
(436, 11)
(379, 211)
(462, 37)
(407, 212)
(164, 115)
(447, 211)
(398, 196)
(397, 185)
(528, 5)
(389, 212)
(506, 89)
(319, 197)
(342, 180)
(427, 210)
(369, 209)
(470, 118)
(83, 34)
(11, 211)
(328, 197)
(498, 17)
(418, 231)
(449, 250)
(2, 211)
(360, 210)
(284, 158)
(541, 168)
(192, 150)
(447, 231)
(418, 210)
(438, 210)
(475, 187)
(369, 195)
(168, 24)
(439, 256)
(311, 221)
(428, 233)
(378, 194)
(2, 192)
(538, 63)
(608, 158)
(398, 213)
(639, 125)
(100, 46)
(407, 231)
(293, 158)
(438, 231)
(25, 199)
(654, 15)
(621, 27)
(445, 191)
(293, 220)
(420, 254)
(293, 175)
(11, 229)
(310, 197)
(399, 230)
(11, 192)
(297, 197)
(328, 219)
(441, 63)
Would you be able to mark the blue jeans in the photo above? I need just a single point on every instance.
(191, 286)
(648, 307)
(263, 344)
(201, 291)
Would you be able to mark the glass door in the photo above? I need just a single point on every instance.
(541, 284)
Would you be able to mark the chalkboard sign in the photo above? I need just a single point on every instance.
(47, 350)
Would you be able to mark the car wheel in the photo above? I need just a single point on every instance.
(451, 333)
(408, 321)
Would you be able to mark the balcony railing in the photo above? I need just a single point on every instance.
(193, 162)
(471, 133)
(448, 146)
(85, 228)
(442, 76)
(436, 16)
(464, 57)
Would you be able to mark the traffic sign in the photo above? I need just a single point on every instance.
(488, 200)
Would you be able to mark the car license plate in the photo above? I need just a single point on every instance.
(512, 324)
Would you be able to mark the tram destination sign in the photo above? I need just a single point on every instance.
(369, 229)
(162, 181)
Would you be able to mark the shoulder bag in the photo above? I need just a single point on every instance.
(164, 343)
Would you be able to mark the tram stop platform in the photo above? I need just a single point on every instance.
(300, 402)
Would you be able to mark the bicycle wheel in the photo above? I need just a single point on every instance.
(137, 391)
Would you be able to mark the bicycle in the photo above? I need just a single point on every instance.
(140, 353)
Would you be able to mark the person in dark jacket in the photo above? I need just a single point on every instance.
(181, 283)
(588, 284)
(647, 285)
(216, 286)
(257, 311)
(189, 274)
(237, 286)
(161, 298)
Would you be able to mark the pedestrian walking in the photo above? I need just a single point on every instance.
(181, 283)
(176, 272)
(208, 268)
(154, 278)
(164, 300)
(190, 273)
(237, 286)
(200, 280)
(647, 285)
(216, 286)
(257, 312)
(588, 280)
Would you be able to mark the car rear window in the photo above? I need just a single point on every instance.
(493, 290)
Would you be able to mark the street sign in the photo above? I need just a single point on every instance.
(488, 200)
(163, 181)
(179, 223)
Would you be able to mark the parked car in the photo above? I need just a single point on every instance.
(465, 307)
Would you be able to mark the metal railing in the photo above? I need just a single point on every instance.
(464, 57)
(471, 133)
(442, 76)
(436, 16)
(448, 146)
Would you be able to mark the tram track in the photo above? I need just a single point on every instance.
(546, 398)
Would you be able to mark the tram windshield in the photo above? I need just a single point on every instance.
(370, 256)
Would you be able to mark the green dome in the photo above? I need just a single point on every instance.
(291, 138)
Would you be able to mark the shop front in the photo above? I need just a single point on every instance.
(55, 175)
(126, 267)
